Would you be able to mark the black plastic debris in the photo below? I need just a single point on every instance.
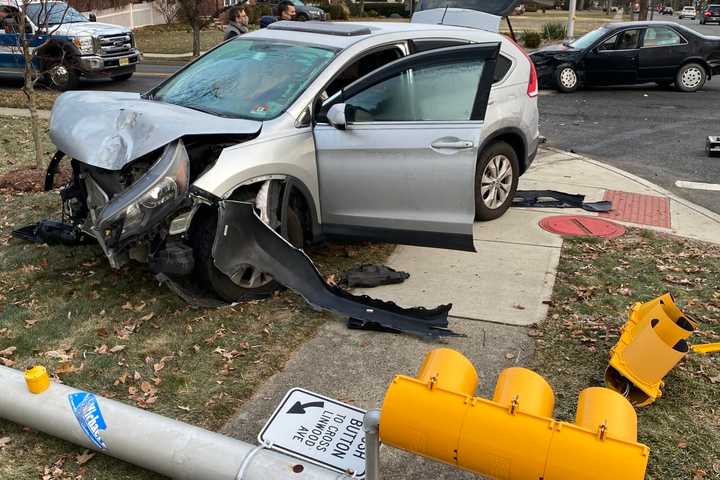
(369, 276)
(189, 292)
(52, 233)
(555, 199)
(242, 239)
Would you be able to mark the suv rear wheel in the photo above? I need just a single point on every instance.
(496, 180)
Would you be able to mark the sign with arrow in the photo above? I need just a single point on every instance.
(318, 429)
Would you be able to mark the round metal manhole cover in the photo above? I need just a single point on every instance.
(581, 226)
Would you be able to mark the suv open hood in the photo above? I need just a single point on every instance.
(500, 8)
(111, 129)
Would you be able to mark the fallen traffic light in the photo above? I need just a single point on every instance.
(651, 343)
(513, 436)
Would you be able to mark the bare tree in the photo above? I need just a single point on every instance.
(168, 9)
(198, 14)
(31, 45)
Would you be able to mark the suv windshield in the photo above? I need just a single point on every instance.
(246, 78)
(589, 38)
(53, 13)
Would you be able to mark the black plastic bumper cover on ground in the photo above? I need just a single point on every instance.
(242, 239)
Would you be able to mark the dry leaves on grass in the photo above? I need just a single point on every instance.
(4, 441)
(4, 354)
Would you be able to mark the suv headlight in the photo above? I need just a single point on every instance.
(150, 199)
(85, 45)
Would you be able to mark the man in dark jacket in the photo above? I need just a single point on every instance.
(238, 22)
(285, 11)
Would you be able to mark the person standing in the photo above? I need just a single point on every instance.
(238, 21)
(286, 10)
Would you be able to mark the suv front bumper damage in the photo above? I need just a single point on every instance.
(242, 238)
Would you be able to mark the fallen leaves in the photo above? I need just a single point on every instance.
(85, 457)
(4, 441)
(4, 354)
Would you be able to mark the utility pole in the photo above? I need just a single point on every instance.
(571, 20)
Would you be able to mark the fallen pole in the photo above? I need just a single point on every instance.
(166, 446)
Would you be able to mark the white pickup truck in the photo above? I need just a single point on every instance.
(66, 45)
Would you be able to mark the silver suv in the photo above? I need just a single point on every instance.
(397, 132)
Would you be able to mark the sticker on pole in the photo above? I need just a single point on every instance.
(318, 429)
(86, 409)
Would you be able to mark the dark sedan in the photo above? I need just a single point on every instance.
(631, 53)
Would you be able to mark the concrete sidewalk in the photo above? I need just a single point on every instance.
(497, 293)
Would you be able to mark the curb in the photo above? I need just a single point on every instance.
(645, 183)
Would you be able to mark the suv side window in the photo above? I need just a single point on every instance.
(661, 37)
(362, 67)
(416, 46)
(443, 92)
(501, 68)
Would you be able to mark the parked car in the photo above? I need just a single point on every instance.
(711, 14)
(631, 53)
(303, 12)
(68, 46)
(667, 11)
(399, 132)
(687, 12)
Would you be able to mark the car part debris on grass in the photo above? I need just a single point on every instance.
(52, 233)
(160, 444)
(369, 276)
(555, 199)
(242, 238)
(513, 435)
(652, 342)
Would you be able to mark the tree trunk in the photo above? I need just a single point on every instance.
(29, 91)
(196, 40)
(643, 10)
(362, 8)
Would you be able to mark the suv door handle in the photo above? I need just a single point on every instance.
(453, 143)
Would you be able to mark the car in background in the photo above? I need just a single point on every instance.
(667, 11)
(711, 14)
(303, 12)
(688, 12)
(631, 53)
(67, 45)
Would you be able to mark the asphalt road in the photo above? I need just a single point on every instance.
(656, 133)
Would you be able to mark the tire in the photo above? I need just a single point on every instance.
(202, 237)
(62, 77)
(566, 78)
(691, 77)
(124, 77)
(495, 186)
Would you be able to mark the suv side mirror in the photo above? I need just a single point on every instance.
(92, 17)
(336, 116)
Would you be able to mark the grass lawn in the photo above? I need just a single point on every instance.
(121, 335)
(174, 39)
(16, 146)
(12, 97)
(596, 284)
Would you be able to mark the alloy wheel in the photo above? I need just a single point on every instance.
(568, 78)
(692, 77)
(497, 180)
(59, 75)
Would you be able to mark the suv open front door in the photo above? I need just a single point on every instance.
(419, 121)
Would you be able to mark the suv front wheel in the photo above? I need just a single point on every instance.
(496, 180)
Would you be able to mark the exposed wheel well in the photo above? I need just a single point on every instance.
(699, 61)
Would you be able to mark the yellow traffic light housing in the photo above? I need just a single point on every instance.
(651, 343)
(513, 436)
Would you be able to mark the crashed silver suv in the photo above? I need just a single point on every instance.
(394, 132)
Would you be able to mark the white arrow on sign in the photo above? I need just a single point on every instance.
(318, 429)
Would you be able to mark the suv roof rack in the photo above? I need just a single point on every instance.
(325, 28)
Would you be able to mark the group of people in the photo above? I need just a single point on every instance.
(238, 18)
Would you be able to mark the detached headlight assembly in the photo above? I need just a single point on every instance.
(150, 199)
(85, 45)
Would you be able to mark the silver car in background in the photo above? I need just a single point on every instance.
(395, 132)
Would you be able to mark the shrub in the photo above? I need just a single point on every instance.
(385, 9)
(530, 39)
(336, 11)
(371, 13)
(554, 31)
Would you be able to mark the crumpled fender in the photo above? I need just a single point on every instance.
(242, 238)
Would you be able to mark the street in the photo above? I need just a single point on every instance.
(656, 133)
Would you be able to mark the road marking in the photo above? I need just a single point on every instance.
(698, 185)
(149, 74)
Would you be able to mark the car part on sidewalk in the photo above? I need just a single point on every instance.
(243, 239)
(160, 444)
(651, 343)
(52, 233)
(581, 226)
(369, 276)
(555, 199)
(513, 436)
(712, 146)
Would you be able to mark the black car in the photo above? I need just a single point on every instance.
(631, 53)
(711, 14)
